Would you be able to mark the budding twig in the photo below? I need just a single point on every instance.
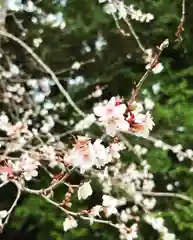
(180, 27)
(160, 48)
(134, 34)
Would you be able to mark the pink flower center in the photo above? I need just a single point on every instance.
(117, 102)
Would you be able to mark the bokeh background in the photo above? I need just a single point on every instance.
(84, 33)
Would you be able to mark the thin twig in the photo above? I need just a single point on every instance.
(166, 194)
(3, 184)
(162, 46)
(180, 27)
(119, 27)
(14, 203)
(64, 70)
(134, 34)
(136, 37)
(67, 212)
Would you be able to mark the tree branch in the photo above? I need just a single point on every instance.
(166, 194)
(46, 68)
(67, 212)
(180, 27)
(162, 46)
(14, 203)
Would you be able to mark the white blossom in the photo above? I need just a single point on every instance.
(149, 203)
(133, 232)
(114, 149)
(168, 236)
(144, 124)
(111, 205)
(149, 104)
(149, 17)
(4, 177)
(122, 12)
(84, 191)
(14, 69)
(124, 216)
(83, 159)
(69, 223)
(95, 211)
(49, 154)
(158, 68)
(111, 115)
(156, 88)
(110, 8)
(177, 148)
(28, 166)
(101, 154)
(3, 214)
(76, 65)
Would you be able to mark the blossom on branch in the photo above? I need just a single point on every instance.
(84, 191)
(69, 223)
(112, 116)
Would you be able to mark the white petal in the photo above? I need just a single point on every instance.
(111, 129)
(120, 110)
(84, 191)
(3, 214)
(99, 110)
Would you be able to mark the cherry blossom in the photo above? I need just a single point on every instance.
(158, 68)
(95, 211)
(27, 166)
(83, 154)
(141, 124)
(49, 155)
(101, 154)
(112, 116)
(110, 8)
(115, 148)
(69, 223)
(133, 232)
(15, 130)
(84, 191)
(110, 205)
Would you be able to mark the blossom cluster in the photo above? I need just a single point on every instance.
(29, 144)
(85, 155)
(149, 58)
(116, 116)
(114, 6)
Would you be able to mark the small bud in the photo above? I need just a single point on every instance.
(68, 194)
(85, 212)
